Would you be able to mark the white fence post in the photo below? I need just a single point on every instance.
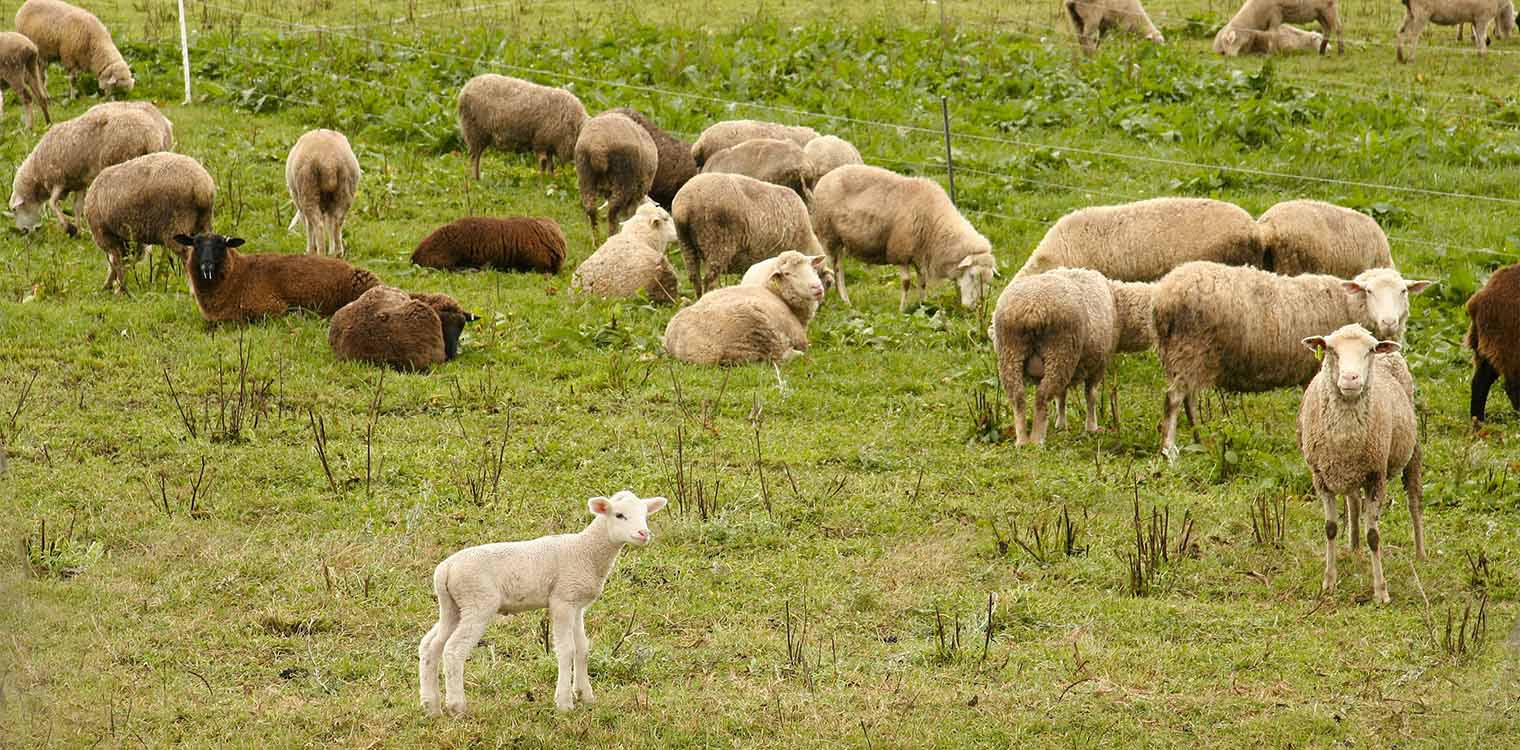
(184, 49)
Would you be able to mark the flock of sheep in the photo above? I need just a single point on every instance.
(1306, 294)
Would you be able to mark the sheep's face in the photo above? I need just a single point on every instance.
(208, 254)
(661, 230)
(1505, 25)
(1384, 297)
(795, 278)
(1230, 41)
(627, 516)
(116, 78)
(453, 326)
(1348, 357)
(27, 214)
(974, 275)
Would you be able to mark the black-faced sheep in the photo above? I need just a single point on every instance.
(387, 326)
(615, 159)
(230, 286)
(731, 133)
(514, 115)
(78, 40)
(21, 71)
(1091, 18)
(1144, 240)
(516, 243)
(322, 175)
(768, 160)
(1267, 15)
(147, 201)
(1304, 236)
(745, 323)
(633, 260)
(1493, 334)
(676, 164)
(729, 222)
(1479, 13)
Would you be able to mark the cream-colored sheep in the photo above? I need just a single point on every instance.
(1303, 236)
(1356, 428)
(827, 153)
(564, 573)
(1266, 15)
(747, 323)
(731, 133)
(21, 71)
(760, 273)
(615, 159)
(770, 160)
(322, 175)
(514, 115)
(1142, 241)
(144, 201)
(1284, 38)
(1479, 13)
(883, 218)
(76, 39)
(729, 222)
(1091, 18)
(633, 260)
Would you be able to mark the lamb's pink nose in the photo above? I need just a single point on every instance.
(642, 534)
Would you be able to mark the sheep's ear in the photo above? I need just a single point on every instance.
(1415, 287)
(1352, 287)
(966, 262)
(16, 201)
(817, 261)
(234, 242)
(470, 317)
(652, 505)
(185, 239)
(599, 506)
(1387, 347)
(1315, 343)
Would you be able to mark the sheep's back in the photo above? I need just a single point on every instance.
(1303, 236)
(622, 267)
(731, 325)
(1144, 241)
(387, 326)
(1494, 328)
(515, 243)
(676, 164)
(147, 196)
(317, 283)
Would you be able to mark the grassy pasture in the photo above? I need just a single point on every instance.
(830, 580)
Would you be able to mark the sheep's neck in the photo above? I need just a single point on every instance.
(601, 551)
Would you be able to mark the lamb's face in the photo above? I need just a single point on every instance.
(1348, 358)
(27, 214)
(1385, 297)
(662, 230)
(1230, 41)
(974, 275)
(627, 516)
(208, 254)
(795, 278)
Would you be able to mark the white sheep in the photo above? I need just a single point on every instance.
(728, 222)
(779, 162)
(633, 260)
(1479, 13)
(1144, 240)
(748, 323)
(1284, 38)
(76, 39)
(615, 159)
(1240, 329)
(729, 133)
(1303, 236)
(1356, 428)
(515, 115)
(322, 175)
(760, 273)
(827, 153)
(1091, 18)
(21, 71)
(1266, 15)
(884, 218)
(147, 201)
(564, 573)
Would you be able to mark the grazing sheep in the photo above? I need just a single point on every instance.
(1493, 334)
(322, 175)
(230, 286)
(616, 159)
(886, 219)
(77, 40)
(514, 115)
(1313, 237)
(21, 71)
(1142, 241)
(1240, 329)
(564, 573)
(675, 163)
(147, 201)
(730, 222)
(768, 160)
(731, 133)
(633, 260)
(1284, 38)
(746, 323)
(827, 153)
(1091, 18)
(387, 326)
(71, 153)
(516, 243)
(1479, 13)
(1267, 15)
(1356, 428)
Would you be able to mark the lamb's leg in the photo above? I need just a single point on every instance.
(456, 650)
(1377, 492)
(1332, 512)
(562, 615)
(1484, 376)
(582, 659)
(1171, 407)
(904, 275)
(1416, 493)
(429, 652)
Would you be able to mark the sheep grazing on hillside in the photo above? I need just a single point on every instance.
(1063, 327)
(1284, 38)
(1240, 329)
(1356, 428)
(729, 222)
(322, 175)
(1479, 13)
(1144, 240)
(1493, 334)
(514, 115)
(827, 153)
(230, 286)
(387, 326)
(747, 323)
(1313, 237)
(77, 40)
(516, 243)
(768, 160)
(564, 573)
(883, 218)
(633, 260)
(1267, 15)
(21, 71)
(71, 153)
(731, 133)
(147, 201)
(1090, 19)
(615, 159)
(675, 163)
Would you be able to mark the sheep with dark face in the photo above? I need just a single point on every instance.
(406, 331)
(230, 286)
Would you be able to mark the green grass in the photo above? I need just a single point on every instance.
(284, 613)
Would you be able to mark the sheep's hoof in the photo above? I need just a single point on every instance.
(455, 708)
(563, 703)
(586, 696)
(431, 708)
(1327, 586)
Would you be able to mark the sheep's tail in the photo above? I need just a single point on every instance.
(294, 220)
(446, 604)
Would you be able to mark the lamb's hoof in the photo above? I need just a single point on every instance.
(455, 708)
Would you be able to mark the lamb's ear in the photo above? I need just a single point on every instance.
(234, 242)
(599, 506)
(652, 505)
(1415, 287)
(185, 239)
(1387, 347)
(1352, 287)
(1314, 343)
(817, 261)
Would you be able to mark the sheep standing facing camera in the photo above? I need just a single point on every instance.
(322, 175)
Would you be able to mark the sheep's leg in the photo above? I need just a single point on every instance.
(836, 259)
(1416, 493)
(1512, 390)
(312, 225)
(1409, 36)
(1377, 492)
(562, 615)
(1061, 410)
(1354, 522)
(338, 216)
(1053, 385)
(1480, 35)
(1330, 22)
(582, 659)
(923, 285)
(55, 202)
(1020, 427)
(475, 154)
(1092, 403)
(1190, 406)
(1171, 407)
(1332, 512)
(1484, 376)
(545, 165)
(73, 84)
(456, 650)
(1041, 418)
(429, 652)
(904, 275)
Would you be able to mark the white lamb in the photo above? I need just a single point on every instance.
(564, 573)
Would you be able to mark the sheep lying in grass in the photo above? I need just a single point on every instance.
(516, 243)
(1493, 334)
(760, 274)
(406, 331)
(514, 115)
(21, 71)
(564, 573)
(1240, 329)
(229, 286)
(76, 39)
(147, 201)
(827, 153)
(1356, 428)
(322, 175)
(1267, 15)
(729, 222)
(883, 218)
(675, 163)
(1091, 18)
(746, 323)
(1284, 38)
(633, 260)
(1479, 13)
(1304, 236)
(730, 133)
(768, 160)
(615, 159)
(1142, 241)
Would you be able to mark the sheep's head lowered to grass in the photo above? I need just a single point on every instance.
(1348, 356)
(26, 213)
(974, 275)
(1385, 300)
(208, 253)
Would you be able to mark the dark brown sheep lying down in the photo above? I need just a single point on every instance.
(512, 244)
(388, 326)
(228, 285)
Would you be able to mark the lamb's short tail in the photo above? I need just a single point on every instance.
(446, 603)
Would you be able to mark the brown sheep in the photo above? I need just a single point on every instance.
(1494, 337)
(406, 331)
(229, 286)
(676, 164)
(147, 201)
(76, 39)
(517, 243)
(21, 71)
